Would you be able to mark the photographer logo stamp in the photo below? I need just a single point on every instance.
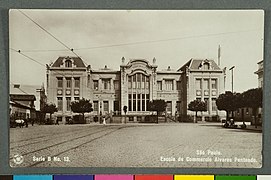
(18, 159)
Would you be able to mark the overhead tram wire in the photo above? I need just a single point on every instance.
(19, 51)
(19, 88)
(164, 40)
(70, 49)
(44, 50)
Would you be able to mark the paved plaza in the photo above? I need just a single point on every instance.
(135, 145)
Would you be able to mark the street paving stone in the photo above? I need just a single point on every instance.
(135, 145)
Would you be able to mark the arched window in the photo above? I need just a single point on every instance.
(206, 65)
(138, 98)
(68, 63)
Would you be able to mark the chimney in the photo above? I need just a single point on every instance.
(16, 86)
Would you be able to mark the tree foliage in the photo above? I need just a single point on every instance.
(49, 108)
(253, 98)
(157, 105)
(229, 101)
(197, 105)
(82, 106)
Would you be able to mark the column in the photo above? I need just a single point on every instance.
(100, 84)
(112, 84)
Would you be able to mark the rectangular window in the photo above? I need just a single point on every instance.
(68, 100)
(68, 82)
(169, 85)
(95, 84)
(106, 84)
(179, 85)
(159, 85)
(116, 106)
(214, 108)
(169, 106)
(138, 103)
(214, 84)
(143, 104)
(206, 84)
(148, 105)
(77, 82)
(76, 98)
(134, 81)
(60, 82)
(178, 106)
(130, 102)
(143, 82)
(134, 102)
(59, 104)
(147, 82)
(95, 106)
(207, 102)
(116, 84)
(106, 106)
(138, 82)
(198, 84)
(129, 82)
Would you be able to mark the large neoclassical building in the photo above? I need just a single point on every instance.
(137, 82)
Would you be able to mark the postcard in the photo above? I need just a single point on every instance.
(136, 88)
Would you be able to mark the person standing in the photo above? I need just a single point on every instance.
(57, 121)
(26, 122)
(104, 123)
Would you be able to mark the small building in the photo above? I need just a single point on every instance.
(22, 106)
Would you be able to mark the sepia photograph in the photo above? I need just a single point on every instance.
(136, 88)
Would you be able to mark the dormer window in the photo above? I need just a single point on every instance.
(206, 65)
(68, 63)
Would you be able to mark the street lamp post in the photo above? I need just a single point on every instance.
(231, 69)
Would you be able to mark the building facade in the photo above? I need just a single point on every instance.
(202, 80)
(22, 106)
(134, 85)
(259, 72)
(26, 101)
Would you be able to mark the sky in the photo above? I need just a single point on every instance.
(103, 37)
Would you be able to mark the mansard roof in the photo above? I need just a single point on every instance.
(195, 64)
(78, 62)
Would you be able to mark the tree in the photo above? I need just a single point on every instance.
(197, 105)
(49, 108)
(82, 106)
(158, 105)
(229, 102)
(253, 98)
(125, 111)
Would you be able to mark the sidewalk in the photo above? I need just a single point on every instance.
(252, 127)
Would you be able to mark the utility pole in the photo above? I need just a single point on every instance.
(231, 69)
